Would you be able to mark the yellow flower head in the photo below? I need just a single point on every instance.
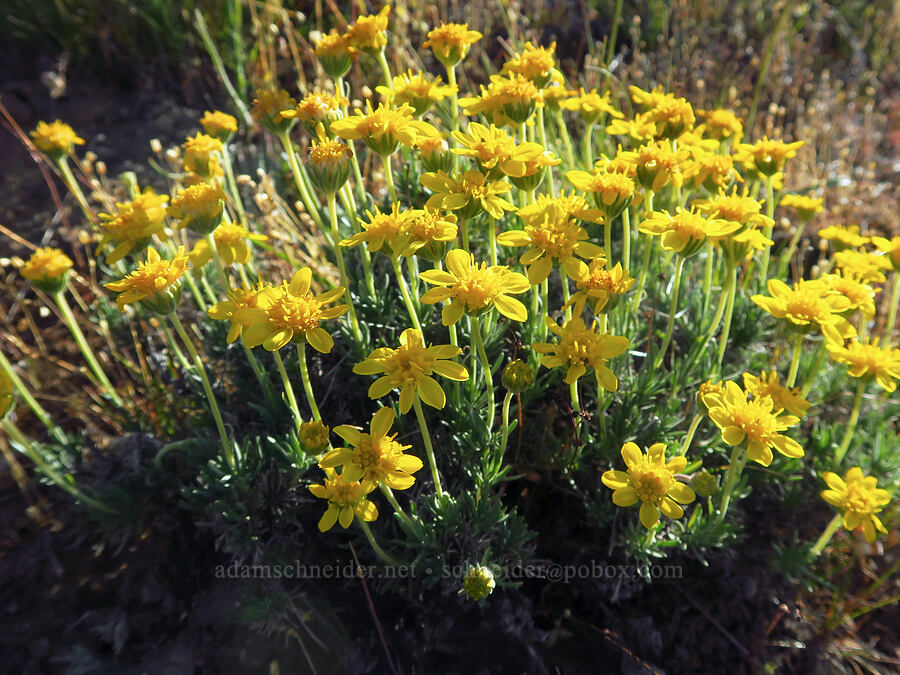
(686, 231)
(612, 191)
(651, 480)
(752, 422)
(710, 170)
(382, 229)
(469, 194)
(313, 437)
(890, 248)
(656, 164)
(534, 171)
(641, 128)
(232, 242)
(198, 207)
(735, 206)
(863, 265)
(7, 394)
(384, 128)
(426, 233)
(473, 288)
(329, 163)
(534, 63)
(806, 306)
(417, 90)
(860, 498)
(495, 151)
(369, 32)
(766, 156)
(133, 225)
(346, 500)
(573, 204)
(334, 53)
(767, 384)
(806, 207)
(219, 125)
(375, 457)
(450, 42)
(434, 151)
(156, 283)
(48, 269)
(410, 368)
(721, 124)
(238, 298)
(706, 388)
(580, 348)
(601, 287)
(267, 108)
(507, 100)
(860, 294)
(552, 237)
(868, 360)
(671, 115)
(200, 155)
(843, 237)
(56, 139)
(290, 312)
(555, 91)
(317, 107)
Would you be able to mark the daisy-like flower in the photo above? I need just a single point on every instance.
(375, 457)
(369, 32)
(219, 125)
(450, 42)
(290, 312)
(410, 368)
(736, 206)
(238, 298)
(651, 480)
(863, 265)
(534, 63)
(657, 164)
(552, 237)
(555, 91)
(641, 128)
(580, 348)
(133, 225)
(721, 124)
(766, 156)
(753, 423)
(56, 139)
(767, 384)
(317, 107)
(156, 283)
(200, 155)
(472, 288)
(426, 233)
(434, 151)
(686, 231)
(672, 115)
(807, 306)
(573, 204)
(334, 53)
(601, 287)
(329, 162)
(346, 501)
(806, 207)
(534, 171)
(267, 108)
(47, 268)
(860, 498)
(198, 207)
(860, 294)
(506, 100)
(384, 128)
(417, 90)
(868, 360)
(843, 237)
(612, 191)
(469, 194)
(710, 170)
(382, 229)
(890, 248)
(495, 151)
(232, 242)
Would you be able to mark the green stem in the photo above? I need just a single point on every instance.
(307, 384)
(833, 526)
(232, 183)
(645, 263)
(673, 309)
(213, 52)
(770, 212)
(350, 208)
(851, 425)
(454, 108)
(795, 360)
(345, 281)
(611, 47)
(299, 180)
(504, 436)
(492, 241)
(217, 261)
(173, 343)
(389, 177)
(892, 310)
(429, 449)
(567, 294)
(626, 239)
(689, 437)
(735, 467)
(729, 313)
(75, 189)
(207, 388)
(401, 514)
(549, 185)
(288, 389)
(707, 277)
(821, 352)
(385, 68)
(567, 142)
(380, 552)
(32, 403)
(195, 291)
(587, 150)
(478, 339)
(788, 254)
(89, 356)
(404, 291)
(573, 394)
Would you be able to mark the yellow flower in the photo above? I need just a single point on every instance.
(745, 243)
(602, 287)
(580, 348)
(767, 385)
(495, 151)
(806, 207)
(657, 164)
(409, 368)
(651, 480)
(860, 498)
(863, 265)
(384, 128)
(334, 53)
(450, 42)
(7, 394)
(868, 360)
(417, 90)
(133, 225)
(369, 32)
(555, 91)
(808, 305)
(198, 207)
(735, 206)
(382, 228)
(329, 163)
(753, 423)
(434, 151)
(890, 248)
(707, 388)
(534, 171)
(555, 238)
(468, 195)
(843, 237)
(313, 437)
(290, 312)
(573, 204)
(507, 100)
(766, 156)
(686, 231)
(156, 283)
(219, 125)
(231, 243)
(56, 140)
(534, 63)
(425, 234)
(860, 294)
(612, 191)
(375, 457)
(267, 107)
(474, 288)
(346, 500)
(318, 107)
(238, 298)
(199, 155)
(47, 266)
(721, 124)
(709, 169)
(640, 128)
(671, 115)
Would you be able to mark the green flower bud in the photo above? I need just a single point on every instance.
(517, 376)
(479, 582)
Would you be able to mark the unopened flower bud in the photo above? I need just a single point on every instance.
(517, 376)
(479, 582)
(704, 484)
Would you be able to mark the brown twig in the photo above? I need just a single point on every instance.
(365, 586)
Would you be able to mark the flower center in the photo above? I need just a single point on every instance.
(299, 313)
(651, 483)
(477, 287)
